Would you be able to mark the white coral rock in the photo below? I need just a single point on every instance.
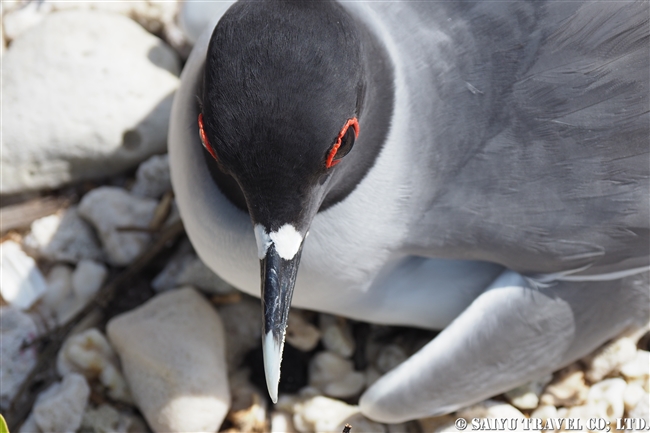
(60, 408)
(172, 352)
(109, 209)
(21, 282)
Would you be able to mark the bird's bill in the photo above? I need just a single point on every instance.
(278, 280)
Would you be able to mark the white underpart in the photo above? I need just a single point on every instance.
(272, 359)
(263, 240)
(287, 241)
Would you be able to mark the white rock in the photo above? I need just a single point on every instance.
(606, 398)
(327, 367)
(634, 392)
(90, 116)
(21, 282)
(300, 333)
(282, 422)
(544, 412)
(150, 15)
(348, 386)
(60, 408)
(336, 335)
(243, 324)
(372, 375)
(335, 375)
(29, 426)
(105, 419)
(642, 409)
(152, 178)
(166, 279)
(567, 389)
(16, 328)
(609, 358)
(172, 352)
(390, 356)
(197, 274)
(22, 19)
(90, 354)
(527, 396)
(322, 414)
(59, 282)
(109, 208)
(42, 231)
(638, 367)
(66, 238)
(88, 278)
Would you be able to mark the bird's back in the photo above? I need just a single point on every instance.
(536, 121)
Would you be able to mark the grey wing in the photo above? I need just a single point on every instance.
(563, 183)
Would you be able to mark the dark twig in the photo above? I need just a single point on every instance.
(21, 404)
(347, 428)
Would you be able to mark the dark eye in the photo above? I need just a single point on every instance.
(344, 142)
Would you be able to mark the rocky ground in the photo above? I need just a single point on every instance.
(109, 320)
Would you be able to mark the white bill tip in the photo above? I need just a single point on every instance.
(272, 361)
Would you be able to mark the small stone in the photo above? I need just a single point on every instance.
(390, 357)
(16, 329)
(172, 350)
(21, 282)
(567, 389)
(336, 335)
(544, 412)
(300, 333)
(609, 359)
(527, 396)
(109, 209)
(59, 282)
(198, 275)
(634, 392)
(21, 19)
(88, 278)
(243, 325)
(152, 178)
(41, 232)
(348, 386)
(641, 410)
(29, 426)
(372, 376)
(606, 399)
(60, 408)
(252, 418)
(323, 414)
(638, 367)
(168, 277)
(90, 354)
(72, 241)
(328, 367)
(105, 419)
(282, 422)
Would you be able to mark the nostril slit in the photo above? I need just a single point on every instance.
(131, 139)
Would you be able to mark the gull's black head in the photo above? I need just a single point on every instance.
(283, 88)
(282, 80)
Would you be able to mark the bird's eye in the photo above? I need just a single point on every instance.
(344, 142)
(204, 139)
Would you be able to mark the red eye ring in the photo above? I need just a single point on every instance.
(330, 158)
(204, 138)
